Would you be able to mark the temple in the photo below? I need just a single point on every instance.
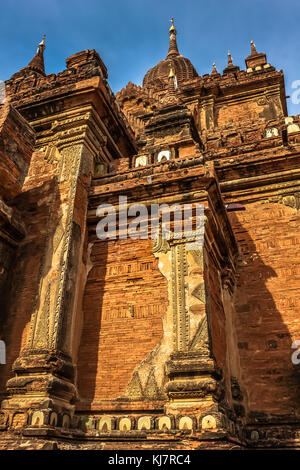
(149, 343)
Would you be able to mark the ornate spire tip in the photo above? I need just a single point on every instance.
(42, 43)
(253, 48)
(214, 68)
(172, 29)
(173, 49)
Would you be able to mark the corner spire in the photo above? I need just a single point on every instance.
(231, 68)
(214, 69)
(42, 43)
(256, 60)
(37, 63)
(253, 48)
(173, 49)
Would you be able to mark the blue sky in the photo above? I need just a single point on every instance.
(132, 35)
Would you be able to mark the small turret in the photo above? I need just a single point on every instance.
(255, 59)
(230, 67)
(37, 64)
(214, 70)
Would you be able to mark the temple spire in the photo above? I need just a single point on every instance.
(37, 63)
(172, 87)
(255, 59)
(214, 69)
(253, 48)
(231, 68)
(171, 73)
(172, 77)
(173, 49)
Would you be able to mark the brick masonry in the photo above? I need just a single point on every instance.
(138, 344)
(107, 359)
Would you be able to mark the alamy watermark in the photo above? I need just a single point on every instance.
(157, 221)
(2, 352)
(2, 92)
(296, 354)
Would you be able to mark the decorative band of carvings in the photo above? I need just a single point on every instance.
(150, 423)
(112, 424)
(179, 289)
(44, 332)
(108, 426)
(75, 163)
(34, 338)
(180, 317)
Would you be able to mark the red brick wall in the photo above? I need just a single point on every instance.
(125, 297)
(268, 304)
(216, 313)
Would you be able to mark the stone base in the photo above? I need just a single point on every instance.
(41, 393)
(51, 439)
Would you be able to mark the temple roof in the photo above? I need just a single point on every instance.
(157, 76)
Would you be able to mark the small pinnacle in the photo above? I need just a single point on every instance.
(214, 68)
(171, 74)
(42, 43)
(172, 28)
(253, 48)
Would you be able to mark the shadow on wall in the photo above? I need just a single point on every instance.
(92, 319)
(264, 333)
(125, 301)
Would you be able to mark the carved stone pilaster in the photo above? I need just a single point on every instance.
(191, 356)
(44, 370)
(180, 314)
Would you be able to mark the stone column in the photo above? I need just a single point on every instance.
(44, 372)
(191, 370)
(194, 382)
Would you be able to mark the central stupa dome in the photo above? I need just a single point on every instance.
(157, 76)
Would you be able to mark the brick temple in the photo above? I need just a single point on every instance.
(146, 343)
